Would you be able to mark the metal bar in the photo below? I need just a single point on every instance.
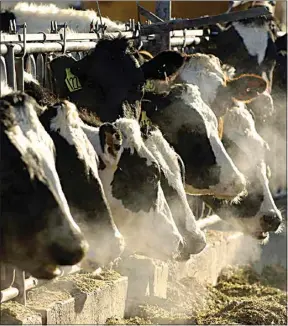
(49, 47)
(13, 292)
(179, 24)
(163, 10)
(19, 66)
(30, 65)
(149, 15)
(21, 286)
(208, 221)
(40, 69)
(3, 70)
(10, 64)
(43, 37)
(196, 32)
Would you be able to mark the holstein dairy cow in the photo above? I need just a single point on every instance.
(39, 16)
(77, 165)
(257, 213)
(133, 189)
(185, 117)
(172, 183)
(38, 232)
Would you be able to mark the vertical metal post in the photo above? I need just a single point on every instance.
(30, 65)
(40, 69)
(19, 66)
(21, 286)
(3, 70)
(10, 64)
(163, 10)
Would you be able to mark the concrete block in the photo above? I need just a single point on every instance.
(223, 249)
(14, 313)
(146, 276)
(79, 299)
(147, 279)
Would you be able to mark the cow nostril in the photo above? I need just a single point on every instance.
(67, 255)
(270, 222)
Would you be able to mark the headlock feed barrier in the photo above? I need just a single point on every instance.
(21, 52)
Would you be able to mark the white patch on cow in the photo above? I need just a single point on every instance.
(93, 136)
(132, 139)
(268, 204)
(255, 39)
(231, 180)
(167, 159)
(205, 72)
(68, 124)
(5, 89)
(239, 127)
(28, 135)
(30, 79)
(39, 16)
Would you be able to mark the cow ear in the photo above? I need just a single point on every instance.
(246, 87)
(163, 65)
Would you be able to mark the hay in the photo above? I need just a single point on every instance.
(130, 321)
(14, 309)
(45, 296)
(241, 296)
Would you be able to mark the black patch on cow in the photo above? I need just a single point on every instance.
(42, 95)
(135, 183)
(81, 188)
(5, 18)
(166, 63)
(281, 43)
(197, 154)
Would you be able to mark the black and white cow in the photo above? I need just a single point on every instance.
(77, 166)
(173, 185)
(38, 232)
(257, 213)
(185, 117)
(133, 189)
(39, 16)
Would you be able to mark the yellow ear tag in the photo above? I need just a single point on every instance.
(72, 81)
(144, 116)
(149, 86)
(114, 167)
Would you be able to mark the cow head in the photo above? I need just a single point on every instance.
(257, 213)
(192, 128)
(77, 167)
(112, 80)
(38, 232)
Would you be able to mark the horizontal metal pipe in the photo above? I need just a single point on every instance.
(43, 37)
(12, 292)
(50, 47)
(208, 221)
